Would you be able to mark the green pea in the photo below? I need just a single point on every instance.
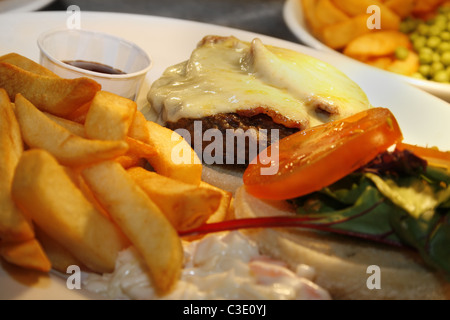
(445, 35)
(433, 42)
(425, 58)
(436, 57)
(424, 70)
(445, 58)
(419, 43)
(417, 75)
(441, 76)
(435, 30)
(436, 67)
(401, 53)
(422, 29)
(443, 47)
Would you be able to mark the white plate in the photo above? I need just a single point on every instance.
(22, 5)
(294, 19)
(422, 117)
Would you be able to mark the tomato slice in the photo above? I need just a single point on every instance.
(312, 159)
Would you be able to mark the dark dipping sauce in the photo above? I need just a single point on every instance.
(94, 66)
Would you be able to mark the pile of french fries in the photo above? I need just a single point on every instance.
(84, 175)
(343, 26)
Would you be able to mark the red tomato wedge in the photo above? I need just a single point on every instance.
(317, 157)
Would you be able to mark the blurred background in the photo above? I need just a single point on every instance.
(260, 16)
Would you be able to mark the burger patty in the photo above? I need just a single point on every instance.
(259, 130)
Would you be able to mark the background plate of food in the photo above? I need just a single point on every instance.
(171, 43)
(22, 5)
(341, 27)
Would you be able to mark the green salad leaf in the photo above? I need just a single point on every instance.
(396, 200)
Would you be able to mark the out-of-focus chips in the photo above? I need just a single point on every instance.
(377, 44)
(327, 13)
(367, 30)
(39, 131)
(44, 191)
(403, 8)
(141, 221)
(62, 96)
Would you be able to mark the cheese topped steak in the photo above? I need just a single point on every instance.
(233, 82)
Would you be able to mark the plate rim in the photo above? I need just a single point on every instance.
(28, 7)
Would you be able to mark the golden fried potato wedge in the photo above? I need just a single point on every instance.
(27, 254)
(26, 64)
(185, 205)
(39, 131)
(309, 12)
(338, 35)
(44, 191)
(403, 8)
(52, 94)
(223, 211)
(60, 258)
(407, 67)
(74, 127)
(138, 129)
(327, 13)
(13, 225)
(175, 158)
(109, 116)
(376, 44)
(141, 221)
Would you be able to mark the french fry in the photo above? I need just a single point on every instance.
(141, 149)
(138, 129)
(79, 115)
(42, 189)
(27, 254)
(379, 62)
(186, 206)
(130, 160)
(53, 94)
(406, 67)
(26, 64)
(223, 210)
(338, 35)
(39, 131)
(424, 7)
(73, 127)
(140, 220)
(389, 20)
(13, 225)
(175, 158)
(309, 12)
(327, 13)
(376, 44)
(403, 8)
(59, 257)
(109, 116)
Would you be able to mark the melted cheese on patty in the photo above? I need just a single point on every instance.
(226, 75)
